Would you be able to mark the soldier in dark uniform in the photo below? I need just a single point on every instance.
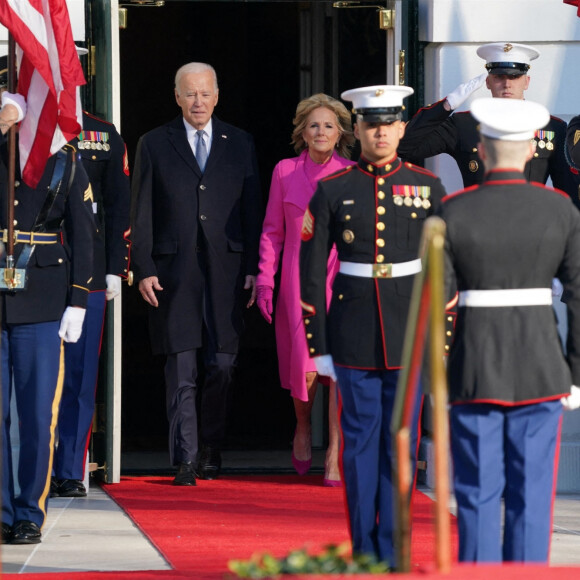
(439, 129)
(49, 307)
(573, 142)
(373, 211)
(508, 377)
(104, 157)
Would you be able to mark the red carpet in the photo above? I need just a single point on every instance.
(200, 529)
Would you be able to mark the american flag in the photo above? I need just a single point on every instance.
(49, 77)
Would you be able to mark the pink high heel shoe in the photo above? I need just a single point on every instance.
(301, 467)
(331, 482)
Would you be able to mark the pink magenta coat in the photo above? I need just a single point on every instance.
(293, 184)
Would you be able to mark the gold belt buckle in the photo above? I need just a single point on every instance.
(382, 270)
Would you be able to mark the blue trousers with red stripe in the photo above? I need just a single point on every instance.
(367, 407)
(78, 396)
(510, 452)
(32, 370)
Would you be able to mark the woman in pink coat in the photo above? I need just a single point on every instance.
(322, 135)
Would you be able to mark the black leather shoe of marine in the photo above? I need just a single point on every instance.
(6, 533)
(210, 463)
(71, 488)
(185, 474)
(25, 532)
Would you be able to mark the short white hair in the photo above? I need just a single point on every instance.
(195, 68)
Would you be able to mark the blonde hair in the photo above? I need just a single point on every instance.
(343, 119)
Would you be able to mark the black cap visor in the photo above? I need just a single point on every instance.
(507, 68)
(380, 115)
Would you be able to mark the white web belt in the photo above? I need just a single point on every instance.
(508, 297)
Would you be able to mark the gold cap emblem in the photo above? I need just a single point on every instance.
(507, 47)
(379, 92)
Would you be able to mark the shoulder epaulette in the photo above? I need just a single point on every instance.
(98, 118)
(418, 169)
(554, 118)
(339, 172)
(460, 192)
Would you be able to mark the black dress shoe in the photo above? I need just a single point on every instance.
(25, 532)
(185, 474)
(210, 463)
(71, 488)
(6, 533)
(54, 487)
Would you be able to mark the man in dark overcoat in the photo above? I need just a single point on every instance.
(508, 377)
(195, 234)
(374, 212)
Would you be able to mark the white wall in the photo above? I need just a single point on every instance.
(76, 10)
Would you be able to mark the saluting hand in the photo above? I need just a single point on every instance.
(147, 287)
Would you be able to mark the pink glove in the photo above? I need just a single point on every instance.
(264, 298)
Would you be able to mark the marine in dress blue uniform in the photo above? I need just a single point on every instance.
(33, 320)
(374, 212)
(506, 240)
(104, 157)
(439, 128)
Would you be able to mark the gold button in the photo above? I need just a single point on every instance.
(448, 333)
(381, 195)
(347, 217)
(312, 350)
(15, 222)
(60, 260)
(380, 210)
(17, 184)
(306, 321)
(380, 258)
(125, 270)
(380, 226)
(340, 296)
(388, 167)
(94, 157)
(380, 181)
(308, 335)
(446, 347)
(536, 154)
(370, 168)
(127, 258)
(16, 202)
(380, 243)
(202, 187)
(474, 150)
(414, 215)
(450, 319)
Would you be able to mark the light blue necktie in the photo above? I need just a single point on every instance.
(201, 150)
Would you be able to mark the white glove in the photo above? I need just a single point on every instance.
(572, 401)
(462, 92)
(17, 101)
(325, 366)
(113, 286)
(557, 287)
(71, 324)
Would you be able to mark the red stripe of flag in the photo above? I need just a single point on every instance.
(49, 78)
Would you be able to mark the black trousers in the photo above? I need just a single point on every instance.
(186, 429)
